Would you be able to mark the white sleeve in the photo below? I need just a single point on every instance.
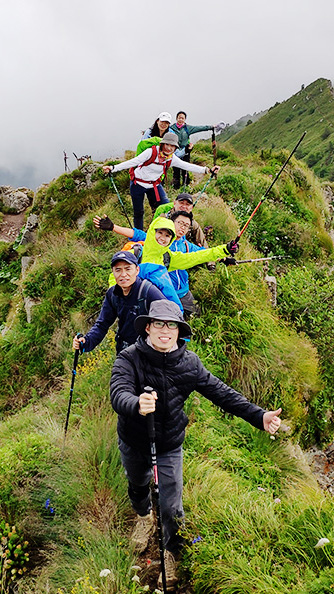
(144, 156)
(176, 162)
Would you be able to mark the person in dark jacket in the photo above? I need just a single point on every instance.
(159, 359)
(127, 299)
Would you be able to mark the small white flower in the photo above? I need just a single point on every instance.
(146, 588)
(208, 340)
(261, 489)
(136, 567)
(277, 500)
(272, 437)
(156, 591)
(321, 543)
(104, 572)
(135, 579)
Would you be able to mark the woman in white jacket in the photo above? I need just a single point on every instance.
(147, 171)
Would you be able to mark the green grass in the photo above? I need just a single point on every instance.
(249, 542)
(310, 109)
(258, 516)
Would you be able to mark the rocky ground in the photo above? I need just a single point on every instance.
(11, 226)
(321, 463)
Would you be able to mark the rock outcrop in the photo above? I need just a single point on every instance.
(15, 200)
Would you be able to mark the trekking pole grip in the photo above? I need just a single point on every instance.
(81, 347)
(150, 417)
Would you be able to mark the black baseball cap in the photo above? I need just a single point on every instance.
(185, 196)
(125, 257)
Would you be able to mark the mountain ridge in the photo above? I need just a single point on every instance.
(310, 109)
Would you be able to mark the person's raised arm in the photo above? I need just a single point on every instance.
(138, 160)
(106, 224)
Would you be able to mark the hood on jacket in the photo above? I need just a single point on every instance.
(152, 251)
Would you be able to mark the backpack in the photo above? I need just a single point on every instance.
(136, 247)
(147, 143)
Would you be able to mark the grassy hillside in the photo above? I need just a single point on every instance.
(231, 129)
(260, 515)
(311, 109)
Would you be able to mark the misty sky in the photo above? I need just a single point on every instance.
(89, 76)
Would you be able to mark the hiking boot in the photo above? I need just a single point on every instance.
(143, 530)
(170, 570)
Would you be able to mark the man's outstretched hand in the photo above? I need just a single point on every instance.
(271, 421)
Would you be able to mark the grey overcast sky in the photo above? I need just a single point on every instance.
(89, 76)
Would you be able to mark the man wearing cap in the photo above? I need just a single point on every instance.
(146, 172)
(185, 202)
(127, 299)
(159, 359)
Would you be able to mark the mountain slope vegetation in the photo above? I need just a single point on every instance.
(310, 109)
(254, 512)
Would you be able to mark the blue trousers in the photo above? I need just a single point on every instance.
(138, 194)
(138, 471)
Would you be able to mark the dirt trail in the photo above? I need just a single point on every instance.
(11, 226)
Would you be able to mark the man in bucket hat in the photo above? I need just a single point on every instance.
(160, 359)
(129, 297)
(147, 171)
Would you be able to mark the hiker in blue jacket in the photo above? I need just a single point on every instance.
(180, 278)
(180, 256)
(129, 297)
(183, 132)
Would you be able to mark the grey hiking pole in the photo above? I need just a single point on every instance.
(151, 435)
(120, 199)
(74, 372)
(232, 261)
(204, 187)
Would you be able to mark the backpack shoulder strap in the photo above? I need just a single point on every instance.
(166, 258)
(151, 159)
(142, 297)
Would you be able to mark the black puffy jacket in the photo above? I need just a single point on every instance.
(173, 376)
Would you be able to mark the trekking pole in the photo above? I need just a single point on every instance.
(74, 372)
(261, 259)
(204, 187)
(151, 435)
(120, 199)
(268, 189)
(214, 146)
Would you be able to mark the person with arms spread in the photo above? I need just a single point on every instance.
(146, 172)
(160, 359)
